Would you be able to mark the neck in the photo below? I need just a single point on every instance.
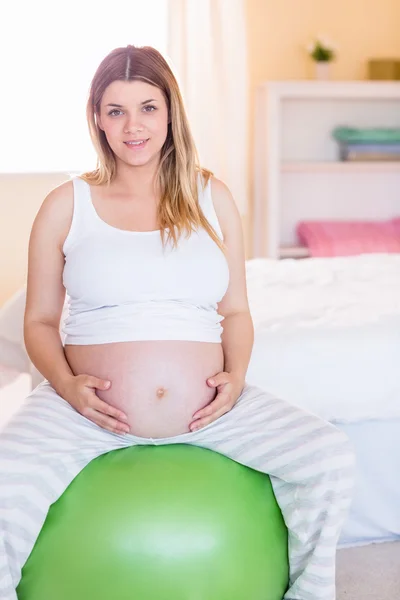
(136, 181)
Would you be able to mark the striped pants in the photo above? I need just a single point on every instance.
(310, 462)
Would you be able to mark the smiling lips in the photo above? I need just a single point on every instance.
(135, 142)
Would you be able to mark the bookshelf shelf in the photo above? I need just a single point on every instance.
(341, 166)
(293, 252)
(297, 172)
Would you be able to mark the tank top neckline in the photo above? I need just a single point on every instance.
(108, 225)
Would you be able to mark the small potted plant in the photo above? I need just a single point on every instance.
(323, 53)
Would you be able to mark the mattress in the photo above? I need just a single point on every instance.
(327, 338)
(350, 378)
(347, 373)
(374, 515)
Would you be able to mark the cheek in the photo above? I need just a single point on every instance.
(108, 132)
(160, 125)
(112, 129)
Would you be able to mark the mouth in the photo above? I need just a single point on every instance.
(136, 144)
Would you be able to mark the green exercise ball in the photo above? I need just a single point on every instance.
(172, 522)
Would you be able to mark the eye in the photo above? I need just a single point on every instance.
(148, 106)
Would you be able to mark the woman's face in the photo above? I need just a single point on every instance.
(141, 115)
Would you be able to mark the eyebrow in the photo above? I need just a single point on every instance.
(144, 102)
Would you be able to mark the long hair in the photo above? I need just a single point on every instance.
(178, 169)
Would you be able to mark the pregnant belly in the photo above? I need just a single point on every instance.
(159, 385)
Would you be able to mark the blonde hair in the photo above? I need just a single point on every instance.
(176, 175)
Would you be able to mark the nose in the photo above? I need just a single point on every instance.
(133, 123)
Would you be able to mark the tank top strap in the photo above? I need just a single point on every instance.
(207, 205)
(83, 221)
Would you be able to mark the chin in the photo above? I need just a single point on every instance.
(140, 162)
(144, 160)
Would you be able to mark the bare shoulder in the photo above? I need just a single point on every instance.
(55, 213)
(46, 258)
(220, 192)
(59, 197)
(225, 207)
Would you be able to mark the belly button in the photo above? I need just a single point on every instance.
(160, 392)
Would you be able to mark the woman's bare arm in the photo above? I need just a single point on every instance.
(45, 290)
(238, 334)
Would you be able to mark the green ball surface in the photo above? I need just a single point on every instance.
(172, 522)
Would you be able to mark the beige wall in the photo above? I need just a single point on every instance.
(20, 198)
(278, 31)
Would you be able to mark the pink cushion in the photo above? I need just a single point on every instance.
(396, 224)
(346, 238)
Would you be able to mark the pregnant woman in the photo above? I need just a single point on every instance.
(158, 335)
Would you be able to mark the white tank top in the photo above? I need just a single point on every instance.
(122, 286)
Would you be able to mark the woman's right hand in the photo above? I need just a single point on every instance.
(80, 394)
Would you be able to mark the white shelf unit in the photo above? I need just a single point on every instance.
(298, 175)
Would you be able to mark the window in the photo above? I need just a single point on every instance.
(49, 52)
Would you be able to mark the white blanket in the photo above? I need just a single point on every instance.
(323, 292)
(327, 334)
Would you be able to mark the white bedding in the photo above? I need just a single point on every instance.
(374, 515)
(327, 334)
(323, 292)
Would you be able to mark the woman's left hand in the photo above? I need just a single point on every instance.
(229, 389)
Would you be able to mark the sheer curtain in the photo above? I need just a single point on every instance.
(49, 52)
(207, 46)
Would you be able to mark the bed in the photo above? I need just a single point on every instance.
(327, 338)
